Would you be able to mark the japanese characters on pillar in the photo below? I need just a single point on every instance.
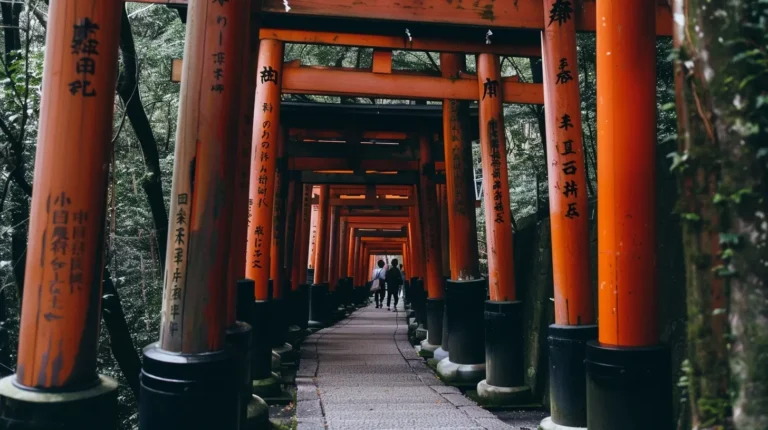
(62, 302)
(321, 241)
(240, 203)
(430, 221)
(276, 272)
(498, 218)
(459, 180)
(313, 236)
(565, 163)
(306, 220)
(264, 150)
(195, 295)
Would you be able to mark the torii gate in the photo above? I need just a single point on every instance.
(194, 377)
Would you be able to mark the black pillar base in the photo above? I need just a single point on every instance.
(442, 352)
(301, 307)
(434, 338)
(195, 391)
(465, 334)
(278, 330)
(465, 301)
(504, 383)
(337, 309)
(278, 323)
(628, 388)
(567, 376)
(361, 296)
(240, 336)
(92, 408)
(264, 382)
(318, 306)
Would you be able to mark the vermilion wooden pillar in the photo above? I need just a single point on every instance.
(276, 255)
(194, 313)
(415, 230)
(430, 221)
(574, 309)
(300, 285)
(306, 226)
(264, 151)
(321, 242)
(301, 243)
(498, 222)
(442, 199)
(313, 234)
(503, 327)
(333, 247)
(199, 233)
(62, 301)
(627, 284)
(320, 303)
(358, 274)
(240, 202)
(292, 214)
(341, 269)
(348, 257)
(279, 315)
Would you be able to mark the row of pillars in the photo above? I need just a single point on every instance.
(203, 370)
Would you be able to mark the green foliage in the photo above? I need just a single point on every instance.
(132, 256)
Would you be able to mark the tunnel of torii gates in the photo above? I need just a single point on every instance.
(241, 207)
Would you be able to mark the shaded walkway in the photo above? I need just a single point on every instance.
(363, 374)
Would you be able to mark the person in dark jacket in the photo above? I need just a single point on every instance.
(394, 280)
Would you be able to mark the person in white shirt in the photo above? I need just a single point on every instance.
(380, 273)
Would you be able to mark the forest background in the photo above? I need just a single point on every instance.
(146, 110)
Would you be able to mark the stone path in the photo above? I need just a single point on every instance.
(363, 374)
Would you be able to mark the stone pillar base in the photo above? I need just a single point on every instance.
(276, 361)
(285, 352)
(257, 415)
(440, 353)
(490, 395)
(93, 408)
(427, 349)
(267, 387)
(548, 424)
(456, 374)
(628, 388)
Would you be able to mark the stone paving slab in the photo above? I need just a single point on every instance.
(362, 373)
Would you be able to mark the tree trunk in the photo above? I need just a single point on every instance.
(537, 77)
(723, 125)
(121, 342)
(128, 90)
(19, 217)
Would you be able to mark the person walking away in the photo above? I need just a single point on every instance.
(379, 275)
(394, 281)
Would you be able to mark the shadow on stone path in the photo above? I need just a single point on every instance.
(363, 374)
